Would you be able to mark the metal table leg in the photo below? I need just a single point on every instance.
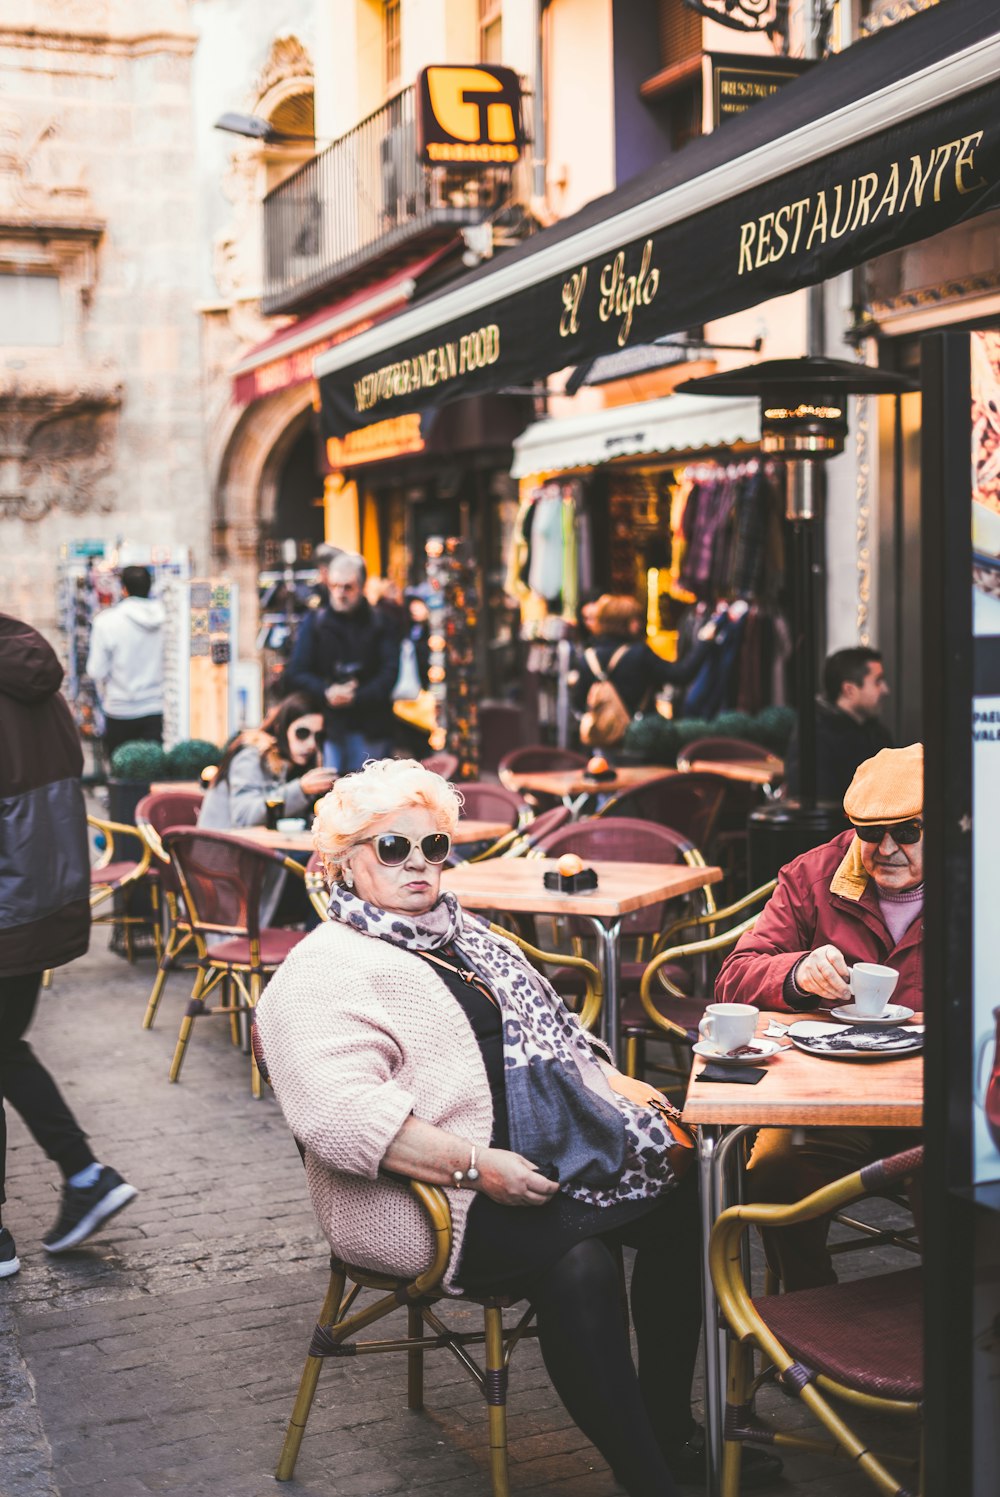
(715, 1152)
(608, 935)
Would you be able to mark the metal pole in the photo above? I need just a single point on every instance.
(804, 504)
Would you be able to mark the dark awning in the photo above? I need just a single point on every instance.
(888, 143)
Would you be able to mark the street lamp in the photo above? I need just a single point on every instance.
(255, 128)
(803, 419)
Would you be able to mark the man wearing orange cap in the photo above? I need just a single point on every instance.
(857, 898)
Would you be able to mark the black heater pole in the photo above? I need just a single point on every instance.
(804, 509)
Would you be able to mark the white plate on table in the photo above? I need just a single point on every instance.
(893, 1013)
(852, 1042)
(760, 1050)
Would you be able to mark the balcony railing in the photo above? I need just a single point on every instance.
(363, 205)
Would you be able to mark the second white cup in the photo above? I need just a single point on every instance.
(871, 987)
(727, 1026)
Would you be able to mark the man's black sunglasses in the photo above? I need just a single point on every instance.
(903, 833)
(392, 849)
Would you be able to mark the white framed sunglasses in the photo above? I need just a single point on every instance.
(392, 849)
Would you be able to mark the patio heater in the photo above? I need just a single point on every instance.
(803, 420)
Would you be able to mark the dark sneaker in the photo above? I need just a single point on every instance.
(9, 1261)
(84, 1208)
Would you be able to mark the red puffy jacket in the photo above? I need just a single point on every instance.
(823, 896)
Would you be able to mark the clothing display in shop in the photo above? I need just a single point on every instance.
(551, 555)
(727, 530)
(745, 669)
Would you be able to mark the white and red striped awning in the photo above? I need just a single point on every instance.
(286, 358)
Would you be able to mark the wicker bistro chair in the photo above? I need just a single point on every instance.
(721, 750)
(667, 1010)
(337, 1327)
(446, 765)
(689, 803)
(858, 1342)
(222, 880)
(153, 815)
(121, 875)
(484, 801)
(537, 758)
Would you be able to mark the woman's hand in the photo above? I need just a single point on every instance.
(318, 781)
(512, 1180)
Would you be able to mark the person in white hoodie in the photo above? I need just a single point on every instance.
(125, 663)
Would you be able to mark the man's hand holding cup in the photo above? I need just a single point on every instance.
(825, 973)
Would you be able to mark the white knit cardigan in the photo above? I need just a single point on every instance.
(358, 1034)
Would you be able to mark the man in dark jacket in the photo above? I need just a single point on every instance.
(858, 898)
(44, 921)
(349, 658)
(848, 728)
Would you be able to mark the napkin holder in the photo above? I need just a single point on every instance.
(571, 883)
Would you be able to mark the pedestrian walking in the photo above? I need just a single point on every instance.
(125, 663)
(349, 659)
(44, 922)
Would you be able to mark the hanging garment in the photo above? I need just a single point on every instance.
(570, 565)
(545, 571)
(749, 536)
(517, 562)
(584, 550)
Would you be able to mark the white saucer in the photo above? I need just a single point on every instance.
(893, 1013)
(763, 1050)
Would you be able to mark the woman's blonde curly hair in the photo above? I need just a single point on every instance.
(356, 802)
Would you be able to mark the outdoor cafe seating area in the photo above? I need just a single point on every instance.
(636, 957)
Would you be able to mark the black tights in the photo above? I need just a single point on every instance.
(583, 1335)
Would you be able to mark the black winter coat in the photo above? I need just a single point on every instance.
(44, 851)
(639, 674)
(842, 743)
(356, 646)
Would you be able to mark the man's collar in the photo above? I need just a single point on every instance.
(851, 879)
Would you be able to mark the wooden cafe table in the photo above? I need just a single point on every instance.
(572, 784)
(797, 1091)
(517, 885)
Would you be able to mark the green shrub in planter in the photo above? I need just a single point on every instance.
(187, 759)
(775, 726)
(139, 762)
(651, 739)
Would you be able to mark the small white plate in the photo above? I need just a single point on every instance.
(893, 1013)
(763, 1050)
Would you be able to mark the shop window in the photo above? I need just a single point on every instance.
(30, 311)
(674, 93)
(392, 40)
(490, 31)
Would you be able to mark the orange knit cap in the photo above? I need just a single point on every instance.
(889, 787)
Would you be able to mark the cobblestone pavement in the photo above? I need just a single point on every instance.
(163, 1357)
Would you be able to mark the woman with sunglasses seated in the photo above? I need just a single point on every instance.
(268, 773)
(403, 1038)
(858, 898)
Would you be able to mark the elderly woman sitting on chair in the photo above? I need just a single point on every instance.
(404, 1038)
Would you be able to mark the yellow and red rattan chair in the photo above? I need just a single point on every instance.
(858, 1342)
(222, 880)
(116, 873)
(339, 1324)
(154, 815)
(665, 1009)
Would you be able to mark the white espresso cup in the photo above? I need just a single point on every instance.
(871, 987)
(727, 1026)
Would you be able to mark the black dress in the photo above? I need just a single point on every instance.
(506, 1246)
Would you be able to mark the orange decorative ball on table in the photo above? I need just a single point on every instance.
(569, 876)
(569, 864)
(598, 768)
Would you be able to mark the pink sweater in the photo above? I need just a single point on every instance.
(357, 1035)
(900, 910)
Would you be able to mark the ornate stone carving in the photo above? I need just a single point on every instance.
(287, 59)
(40, 175)
(56, 450)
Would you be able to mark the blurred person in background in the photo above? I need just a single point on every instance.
(125, 663)
(848, 727)
(44, 923)
(350, 659)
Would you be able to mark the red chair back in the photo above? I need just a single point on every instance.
(483, 801)
(539, 758)
(621, 840)
(222, 879)
(687, 803)
(544, 825)
(721, 749)
(446, 765)
(169, 808)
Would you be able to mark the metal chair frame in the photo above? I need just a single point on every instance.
(247, 978)
(176, 933)
(337, 1325)
(747, 1326)
(101, 891)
